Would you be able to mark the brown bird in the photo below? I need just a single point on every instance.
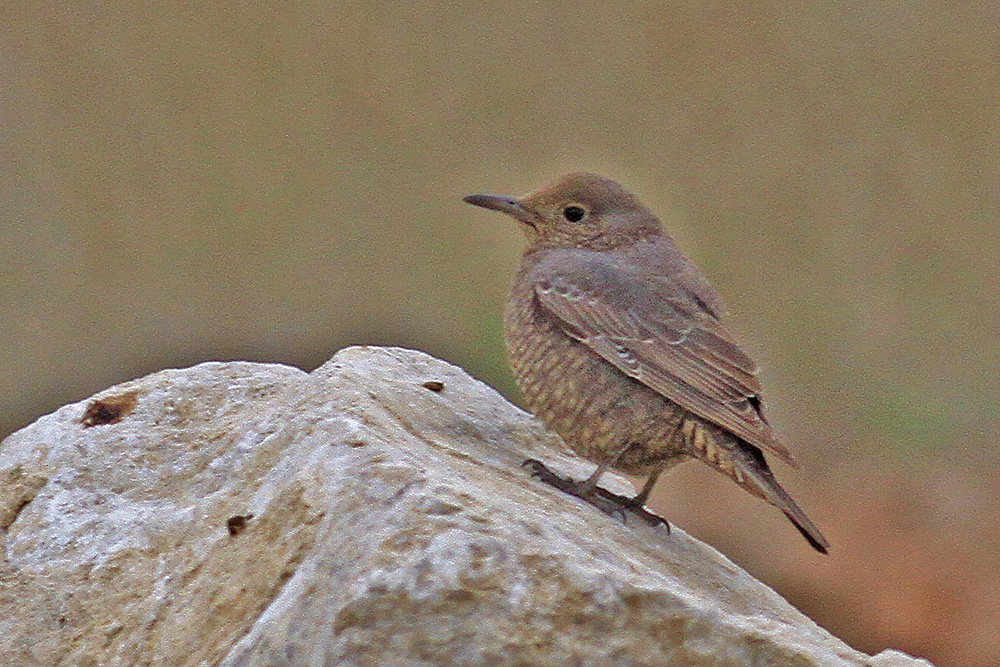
(618, 345)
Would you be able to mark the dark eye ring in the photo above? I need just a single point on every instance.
(574, 213)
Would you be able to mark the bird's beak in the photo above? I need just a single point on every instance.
(508, 205)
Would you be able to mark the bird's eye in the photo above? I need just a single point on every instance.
(574, 213)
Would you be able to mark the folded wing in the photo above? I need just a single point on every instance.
(655, 330)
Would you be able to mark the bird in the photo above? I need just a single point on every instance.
(618, 344)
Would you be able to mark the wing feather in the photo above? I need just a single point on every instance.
(653, 332)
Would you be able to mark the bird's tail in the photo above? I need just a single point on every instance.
(759, 480)
(773, 493)
(748, 468)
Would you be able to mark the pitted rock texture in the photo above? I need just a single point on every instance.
(372, 512)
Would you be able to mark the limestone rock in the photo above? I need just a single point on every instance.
(372, 512)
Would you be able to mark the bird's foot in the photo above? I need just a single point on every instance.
(638, 507)
(602, 499)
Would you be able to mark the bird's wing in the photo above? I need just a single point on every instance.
(652, 329)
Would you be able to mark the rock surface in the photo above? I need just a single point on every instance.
(372, 512)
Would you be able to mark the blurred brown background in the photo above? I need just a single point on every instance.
(273, 181)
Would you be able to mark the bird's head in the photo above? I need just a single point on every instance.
(578, 210)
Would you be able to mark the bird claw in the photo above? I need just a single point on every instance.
(602, 499)
(637, 508)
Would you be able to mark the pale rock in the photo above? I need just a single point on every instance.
(372, 512)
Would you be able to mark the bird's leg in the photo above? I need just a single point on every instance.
(639, 499)
(587, 489)
(588, 486)
(637, 503)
